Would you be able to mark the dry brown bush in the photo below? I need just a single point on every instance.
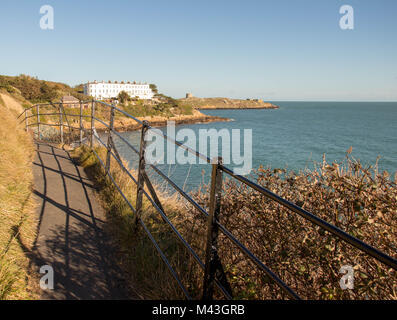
(357, 199)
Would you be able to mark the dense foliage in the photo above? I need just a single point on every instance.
(123, 97)
(153, 87)
(36, 90)
(357, 199)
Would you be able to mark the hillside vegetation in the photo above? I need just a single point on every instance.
(226, 103)
(36, 90)
(17, 218)
(162, 106)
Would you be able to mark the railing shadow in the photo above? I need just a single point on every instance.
(72, 240)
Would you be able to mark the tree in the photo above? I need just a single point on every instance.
(153, 87)
(123, 96)
(46, 92)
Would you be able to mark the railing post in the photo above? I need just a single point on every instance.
(61, 121)
(109, 146)
(38, 121)
(211, 254)
(26, 120)
(81, 123)
(141, 172)
(92, 124)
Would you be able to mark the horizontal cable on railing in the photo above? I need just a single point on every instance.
(259, 263)
(104, 123)
(52, 125)
(34, 106)
(116, 185)
(119, 110)
(125, 141)
(198, 207)
(186, 293)
(72, 127)
(86, 130)
(122, 166)
(191, 251)
(43, 114)
(164, 258)
(196, 153)
(177, 188)
(242, 247)
(201, 264)
(57, 114)
(75, 115)
(164, 216)
(118, 135)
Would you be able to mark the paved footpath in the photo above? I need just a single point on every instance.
(71, 236)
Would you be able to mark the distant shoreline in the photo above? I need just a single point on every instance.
(227, 103)
(236, 108)
(127, 124)
(124, 125)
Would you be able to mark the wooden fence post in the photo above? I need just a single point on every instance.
(141, 172)
(109, 146)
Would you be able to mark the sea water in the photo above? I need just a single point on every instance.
(295, 136)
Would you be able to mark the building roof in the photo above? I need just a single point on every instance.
(116, 82)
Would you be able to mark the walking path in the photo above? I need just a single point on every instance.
(71, 236)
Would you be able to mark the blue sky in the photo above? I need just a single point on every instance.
(275, 50)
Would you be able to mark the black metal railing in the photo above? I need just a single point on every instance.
(212, 266)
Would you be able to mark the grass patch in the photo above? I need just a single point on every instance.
(17, 218)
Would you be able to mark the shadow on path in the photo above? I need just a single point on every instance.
(71, 236)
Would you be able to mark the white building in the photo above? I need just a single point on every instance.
(107, 90)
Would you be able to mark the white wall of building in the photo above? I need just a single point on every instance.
(107, 90)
